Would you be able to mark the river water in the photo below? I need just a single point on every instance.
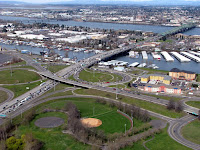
(162, 64)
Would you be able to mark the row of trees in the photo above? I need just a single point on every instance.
(84, 134)
(177, 106)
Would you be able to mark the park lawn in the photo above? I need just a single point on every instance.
(53, 138)
(98, 76)
(194, 104)
(168, 40)
(163, 141)
(3, 96)
(140, 103)
(111, 120)
(55, 68)
(21, 89)
(18, 76)
(192, 131)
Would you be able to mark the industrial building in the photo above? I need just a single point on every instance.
(156, 77)
(175, 73)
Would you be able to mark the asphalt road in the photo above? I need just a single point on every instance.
(174, 131)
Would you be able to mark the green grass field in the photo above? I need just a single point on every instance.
(53, 138)
(3, 96)
(21, 89)
(143, 104)
(112, 121)
(18, 76)
(98, 76)
(194, 104)
(192, 131)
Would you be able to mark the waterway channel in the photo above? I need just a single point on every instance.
(162, 64)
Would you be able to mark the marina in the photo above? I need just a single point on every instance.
(167, 56)
(193, 57)
(180, 57)
(144, 55)
(195, 53)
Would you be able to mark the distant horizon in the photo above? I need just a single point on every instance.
(121, 2)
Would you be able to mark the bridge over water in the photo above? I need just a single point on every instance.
(180, 29)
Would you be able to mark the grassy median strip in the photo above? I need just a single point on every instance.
(194, 104)
(3, 96)
(191, 131)
(140, 103)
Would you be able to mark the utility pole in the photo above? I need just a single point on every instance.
(116, 89)
(93, 110)
(10, 68)
(54, 85)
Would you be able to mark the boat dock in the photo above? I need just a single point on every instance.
(180, 57)
(195, 53)
(142, 65)
(167, 56)
(134, 64)
(144, 55)
(191, 56)
(156, 56)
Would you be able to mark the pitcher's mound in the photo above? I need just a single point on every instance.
(91, 122)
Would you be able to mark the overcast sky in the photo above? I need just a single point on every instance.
(47, 1)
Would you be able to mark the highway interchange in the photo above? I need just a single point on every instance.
(61, 76)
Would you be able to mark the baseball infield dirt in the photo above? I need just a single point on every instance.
(91, 122)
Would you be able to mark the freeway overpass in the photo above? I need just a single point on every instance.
(188, 109)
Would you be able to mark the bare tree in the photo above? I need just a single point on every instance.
(171, 104)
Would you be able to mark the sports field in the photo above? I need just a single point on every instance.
(54, 138)
(111, 120)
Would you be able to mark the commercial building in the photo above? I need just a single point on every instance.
(182, 74)
(156, 77)
(162, 89)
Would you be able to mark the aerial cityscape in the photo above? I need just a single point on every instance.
(100, 75)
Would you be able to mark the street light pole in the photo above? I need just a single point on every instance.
(10, 68)
(116, 89)
(125, 129)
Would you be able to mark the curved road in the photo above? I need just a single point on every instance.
(10, 94)
(174, 131)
